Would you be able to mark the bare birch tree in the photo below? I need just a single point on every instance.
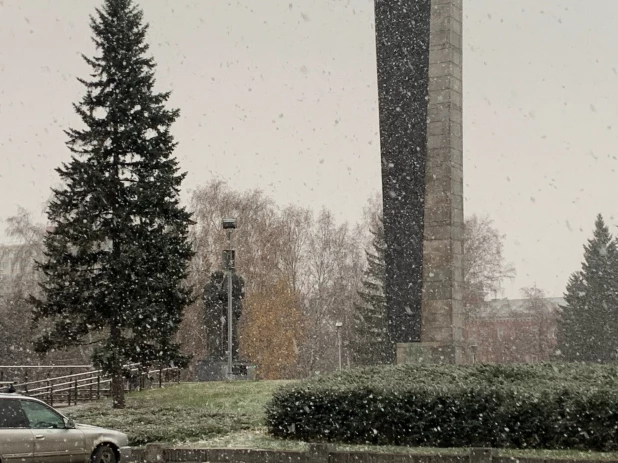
(484, 265)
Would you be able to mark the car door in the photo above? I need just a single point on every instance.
(16, 438)
(53, 442)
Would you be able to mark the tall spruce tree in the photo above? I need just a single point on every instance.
(116, 260)
(587, 329)
(371, 345)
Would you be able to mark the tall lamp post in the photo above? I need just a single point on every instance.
(229, 261)
(338, 325)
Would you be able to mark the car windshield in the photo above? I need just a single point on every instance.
(40, 416)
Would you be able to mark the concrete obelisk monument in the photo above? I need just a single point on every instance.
(419, 50)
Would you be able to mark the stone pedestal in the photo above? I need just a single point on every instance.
(432, 353)
(211, 370)
(216, 370)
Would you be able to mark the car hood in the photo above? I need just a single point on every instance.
(87, 427)
(99, 435)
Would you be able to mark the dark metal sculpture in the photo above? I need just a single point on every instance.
(215, 312)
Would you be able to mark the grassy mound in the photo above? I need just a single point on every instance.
(183, 413)
(551, 406)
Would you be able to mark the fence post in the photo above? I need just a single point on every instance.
(26, 380)
(48, 384)
(160, 377)
(51, 394)
(75, 392)
(69, 396)
(90, 392)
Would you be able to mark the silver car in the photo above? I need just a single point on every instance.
(33, 432)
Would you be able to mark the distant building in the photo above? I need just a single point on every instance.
(514, 331)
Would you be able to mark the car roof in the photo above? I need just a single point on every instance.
(14, 395)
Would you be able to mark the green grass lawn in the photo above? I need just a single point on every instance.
(183, 413)
(221, 414)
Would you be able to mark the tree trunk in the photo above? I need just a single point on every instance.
(117, 389)
(117, 384)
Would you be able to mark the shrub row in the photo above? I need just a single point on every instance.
(564, 406)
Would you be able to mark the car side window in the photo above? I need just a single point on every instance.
(12, 415)
(40, 416)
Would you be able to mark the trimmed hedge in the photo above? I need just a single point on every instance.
(549, 406)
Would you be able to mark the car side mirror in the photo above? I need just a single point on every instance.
(69, 423)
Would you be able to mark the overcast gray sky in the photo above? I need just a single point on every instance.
(281, 95)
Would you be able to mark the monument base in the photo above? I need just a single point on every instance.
(216, 370)
(433, 353)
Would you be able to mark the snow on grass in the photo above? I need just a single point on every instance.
(184, 413)
(231, 415)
